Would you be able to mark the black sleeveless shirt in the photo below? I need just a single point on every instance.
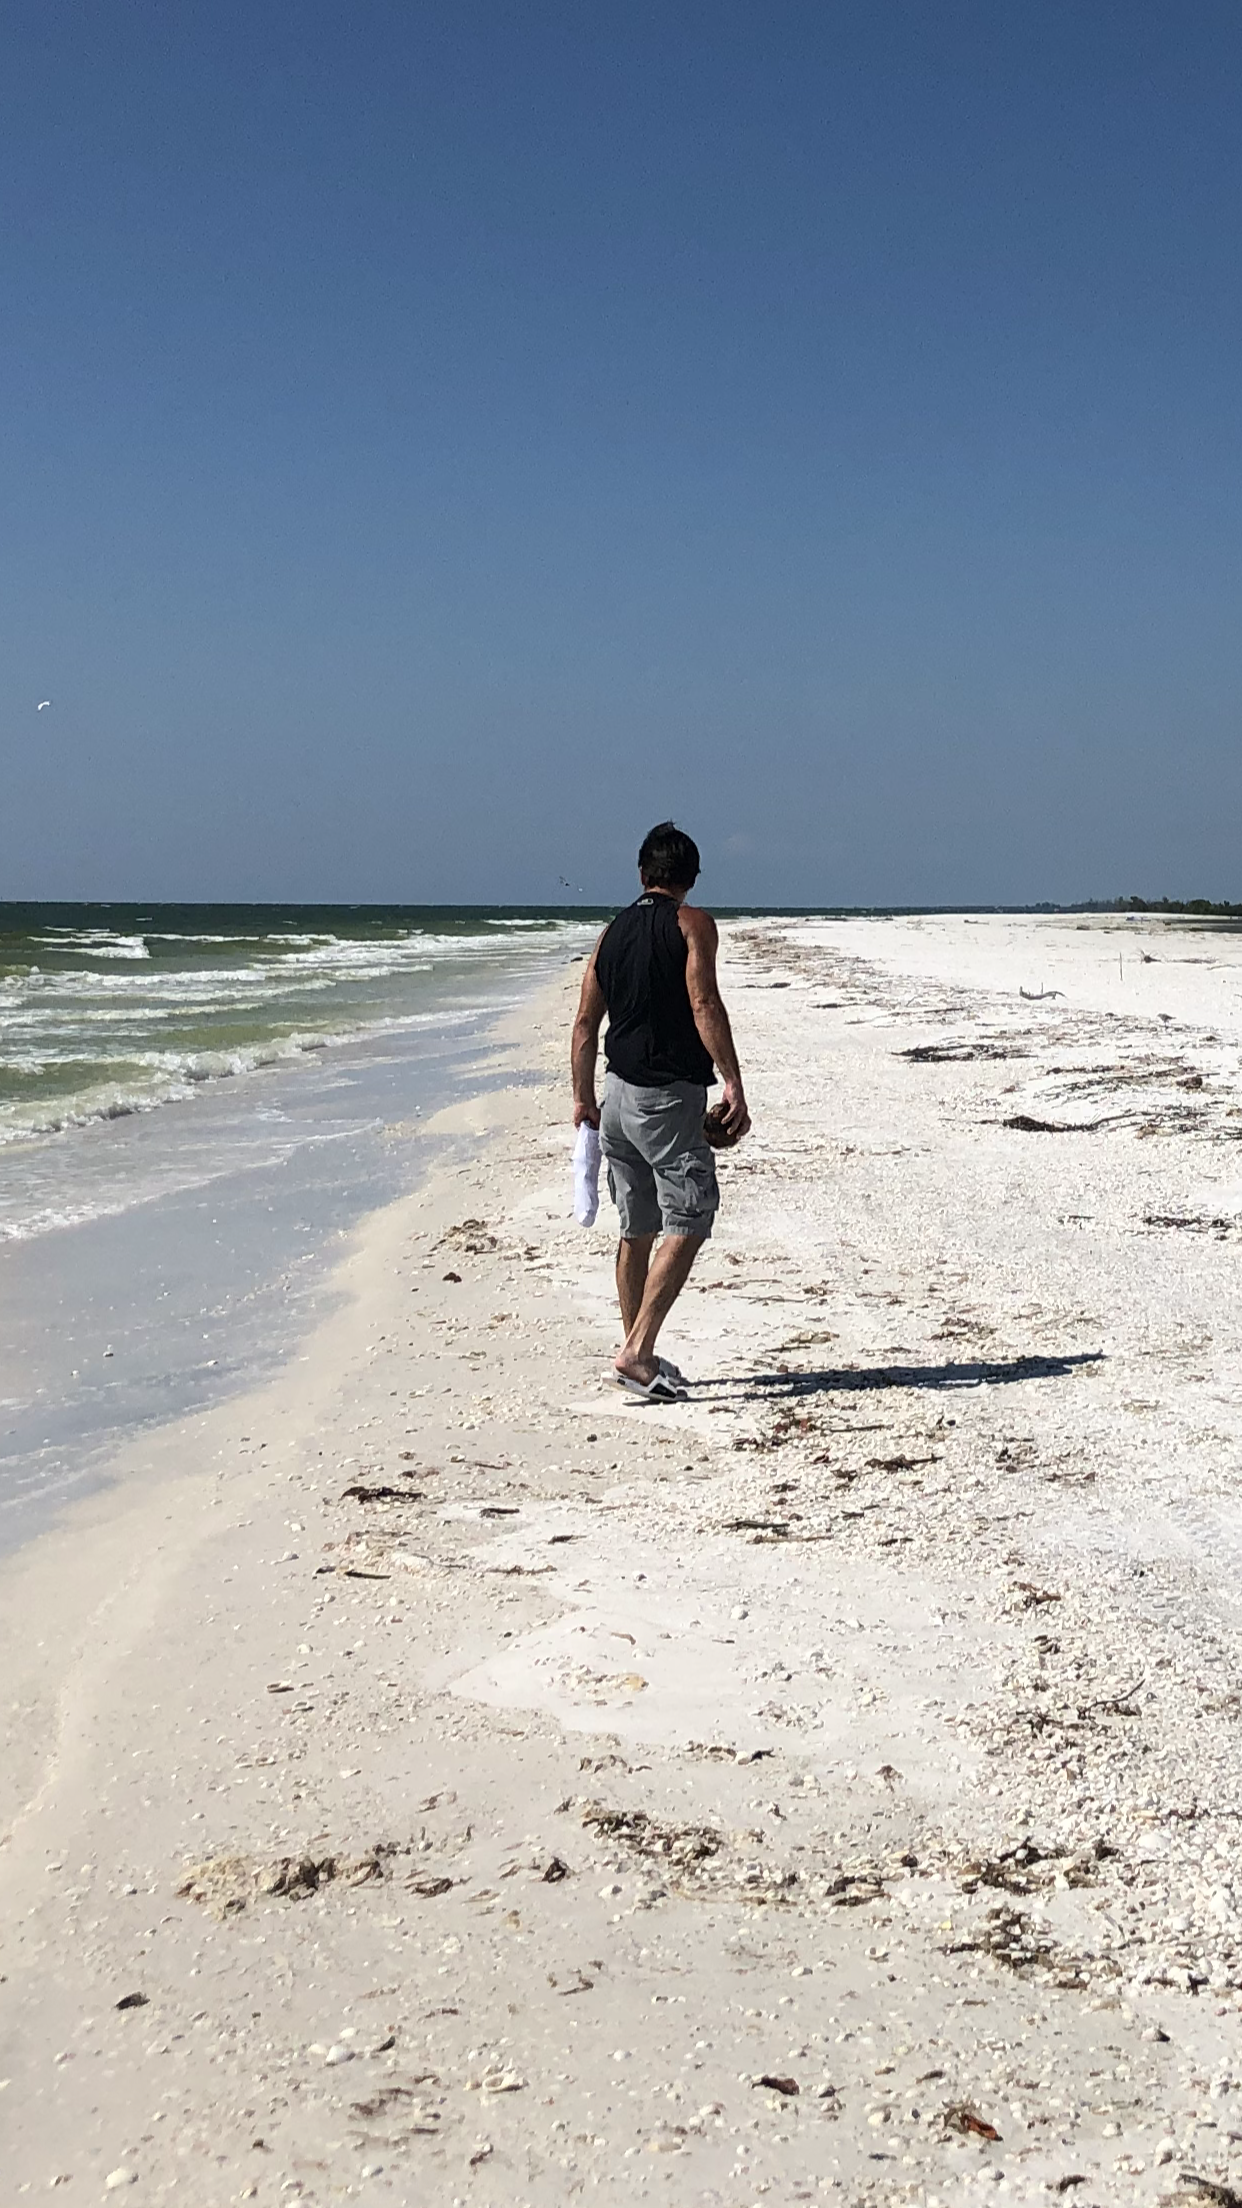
(641, 964)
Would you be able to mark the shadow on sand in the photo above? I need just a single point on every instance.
(774, 1387)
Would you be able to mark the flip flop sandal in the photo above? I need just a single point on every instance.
(672, 1371)
(659, 1389)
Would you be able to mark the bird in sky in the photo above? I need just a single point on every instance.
(43, 702)
(569, 885)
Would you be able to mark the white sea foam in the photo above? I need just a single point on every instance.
(96, 943)
(94, 1027)
(174, 1076)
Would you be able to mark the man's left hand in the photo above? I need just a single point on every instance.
(736, 1117)
(586, 1115)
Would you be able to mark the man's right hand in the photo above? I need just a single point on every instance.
(586, 1115)
(737, 1118)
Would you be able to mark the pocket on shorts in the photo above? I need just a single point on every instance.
(611, 1135)
(689, 1187)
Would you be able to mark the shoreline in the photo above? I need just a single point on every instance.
(199, 1261)
(863, 1725)
(94, 1531)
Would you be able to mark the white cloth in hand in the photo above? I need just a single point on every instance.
(586, 1175)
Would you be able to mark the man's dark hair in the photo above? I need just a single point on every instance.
(668, 859)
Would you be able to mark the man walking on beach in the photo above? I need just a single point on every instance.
(653, 971)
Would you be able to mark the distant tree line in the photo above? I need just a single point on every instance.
(1204, 905)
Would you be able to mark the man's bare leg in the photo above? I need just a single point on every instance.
(667, 1276)
(633, 1259)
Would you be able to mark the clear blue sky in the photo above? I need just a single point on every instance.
(439, 440)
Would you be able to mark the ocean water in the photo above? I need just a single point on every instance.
(108, 1010)
(197, 1103)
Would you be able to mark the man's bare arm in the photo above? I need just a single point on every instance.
(710, 1017)
(584, 1050)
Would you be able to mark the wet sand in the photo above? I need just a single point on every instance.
(437, 1777)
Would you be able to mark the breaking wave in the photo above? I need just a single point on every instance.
(106, 1012)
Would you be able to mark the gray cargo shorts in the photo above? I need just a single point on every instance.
(661, 1172)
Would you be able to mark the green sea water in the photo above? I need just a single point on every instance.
(111, 1009)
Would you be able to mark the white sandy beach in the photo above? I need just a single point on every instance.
(438, 1778)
